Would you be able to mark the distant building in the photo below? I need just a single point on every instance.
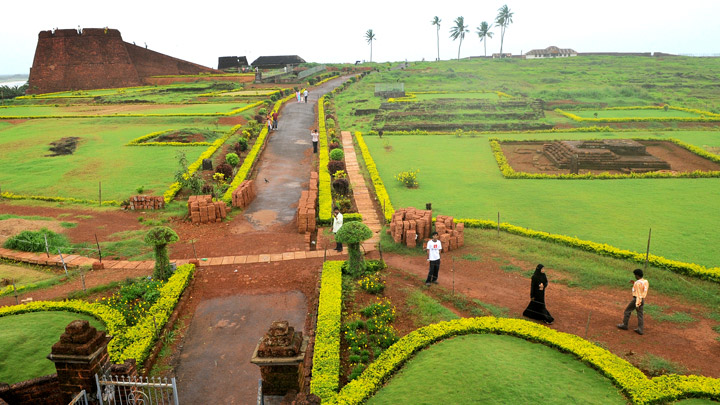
(502, 55)
(232, 63)
(277, 62)
(551, 52)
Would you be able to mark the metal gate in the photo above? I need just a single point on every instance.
(131, 390)
(80, 399)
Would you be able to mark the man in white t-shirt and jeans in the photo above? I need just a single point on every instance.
(434, 246)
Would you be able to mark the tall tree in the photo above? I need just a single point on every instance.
(483, 31)
(369, 37)
(459, 31)
(503, 19)
(436, 22)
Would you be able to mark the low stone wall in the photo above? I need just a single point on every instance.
(307, 207)
(41, 390)
(244, 194)
(203, 210)
(146, 202)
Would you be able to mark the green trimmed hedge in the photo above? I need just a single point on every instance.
(380, 191)
(13, 196)
(705, 116)
(326, 355)
(324, 186)
(510, 173)
(351, 217)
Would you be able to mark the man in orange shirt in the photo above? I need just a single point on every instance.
(639, 291)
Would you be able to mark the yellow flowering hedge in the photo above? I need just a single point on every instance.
(13, 196)
(690, 269)
(380, 191)
(252, 156)
(529, 131)
(326, 355)
(705, 116)
(510, 173)
(324, 193)
(638, 388)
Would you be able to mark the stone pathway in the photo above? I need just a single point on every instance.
(361, 194)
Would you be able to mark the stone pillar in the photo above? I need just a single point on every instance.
(124, 372)
(78, 356)
(280, 354)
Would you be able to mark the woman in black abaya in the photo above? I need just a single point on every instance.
(536, 309)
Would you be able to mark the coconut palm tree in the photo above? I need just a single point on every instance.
(483, 31)
(459, 31)
(369, 37)
(503, 19)
(436, 22)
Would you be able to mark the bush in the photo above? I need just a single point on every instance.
(343, 204)
(334, 145)
(232, 159)
(337, 154)
(262, 112)
(353, 234)
(373, 283)
(225, 169)
(408, 178)
(341, 186)
(241, 145)
(159, 237)
(335, 165)
(34, 241)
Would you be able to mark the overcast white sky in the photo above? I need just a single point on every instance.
(333, 31)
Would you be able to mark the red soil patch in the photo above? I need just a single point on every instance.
(234, 120)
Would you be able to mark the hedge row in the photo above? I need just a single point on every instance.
(252, 156)
(531, 131)
(690, 269)
(13, 196)
(326, 355)
(380, 191)
(638, 388)
(325, 80)
(128, 342)
(510, 173)
(654, 107)
(324, 193)
(702, 118)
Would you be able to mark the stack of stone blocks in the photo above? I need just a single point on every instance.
(147, 202)
(306, 212)
(451, 234)
(410, 225)
(244, 194)
(203, 210)
(280, 355)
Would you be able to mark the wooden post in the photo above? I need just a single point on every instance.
(587, 326)
(498, 227)
(100, 193)
(452, 270)
(17, 302)
(98, 246)
(647, 252)
(47, 248)
(63, 262)
(82, 277)
(192, 242)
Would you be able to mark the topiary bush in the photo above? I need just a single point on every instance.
(232, 159)
(159, 237)
(341, 186)
(353, 234)
(337, 154)
(225, 169)
(34, 241)
(335, 165)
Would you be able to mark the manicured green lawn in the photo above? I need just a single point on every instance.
(26, 340)
(460, 177)
(496, 369)
(109, 110)
(23, 275)
(634, 113)
(100, 157)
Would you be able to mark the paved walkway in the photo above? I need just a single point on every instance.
(284, 167)
(361, 194)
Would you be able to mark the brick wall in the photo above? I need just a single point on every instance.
(41, 390)
(244, 194)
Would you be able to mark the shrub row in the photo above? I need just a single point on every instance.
(139, 141)
(324, 193)
(325, 80)
(326, 355)
(531, 131)
(13, 196)
(251, 157)
(352, 217)
(380, 191)
(712, 118)
(510, 173)
(690, 269)
(632, 381)
(127, 343)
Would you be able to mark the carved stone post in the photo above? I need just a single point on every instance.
(78, 356)
(280, 354)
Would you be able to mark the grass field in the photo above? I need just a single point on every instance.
(496, 369)
(110, 110)
(460, 177)
(27, 339)
(100, 157)
(23, 275)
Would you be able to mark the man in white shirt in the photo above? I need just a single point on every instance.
(305, 95)
(315, 136)
(639, 291)
(337, 224)
(434, 246)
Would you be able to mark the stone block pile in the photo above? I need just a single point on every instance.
(410, 225)
(244, 194)
(451, 234)
(203, 210)
(146, 202)
(306, 212)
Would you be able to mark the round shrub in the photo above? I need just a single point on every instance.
(341, 186)
(337, 154)
(241, 145)
(262, 111)
(232, 159)
(334, 145)
(335, 165)
(225, 169)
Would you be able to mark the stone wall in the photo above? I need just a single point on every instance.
(244, 194)
(203, 210)
(146, 202)
(41, 390)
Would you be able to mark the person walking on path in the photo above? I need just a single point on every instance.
(639, 291)
(275, 119)
(269, 123)
(337, 224)
(434, 246)
(536, 309)
(315, 138)
(297, 94)
(305, 95)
